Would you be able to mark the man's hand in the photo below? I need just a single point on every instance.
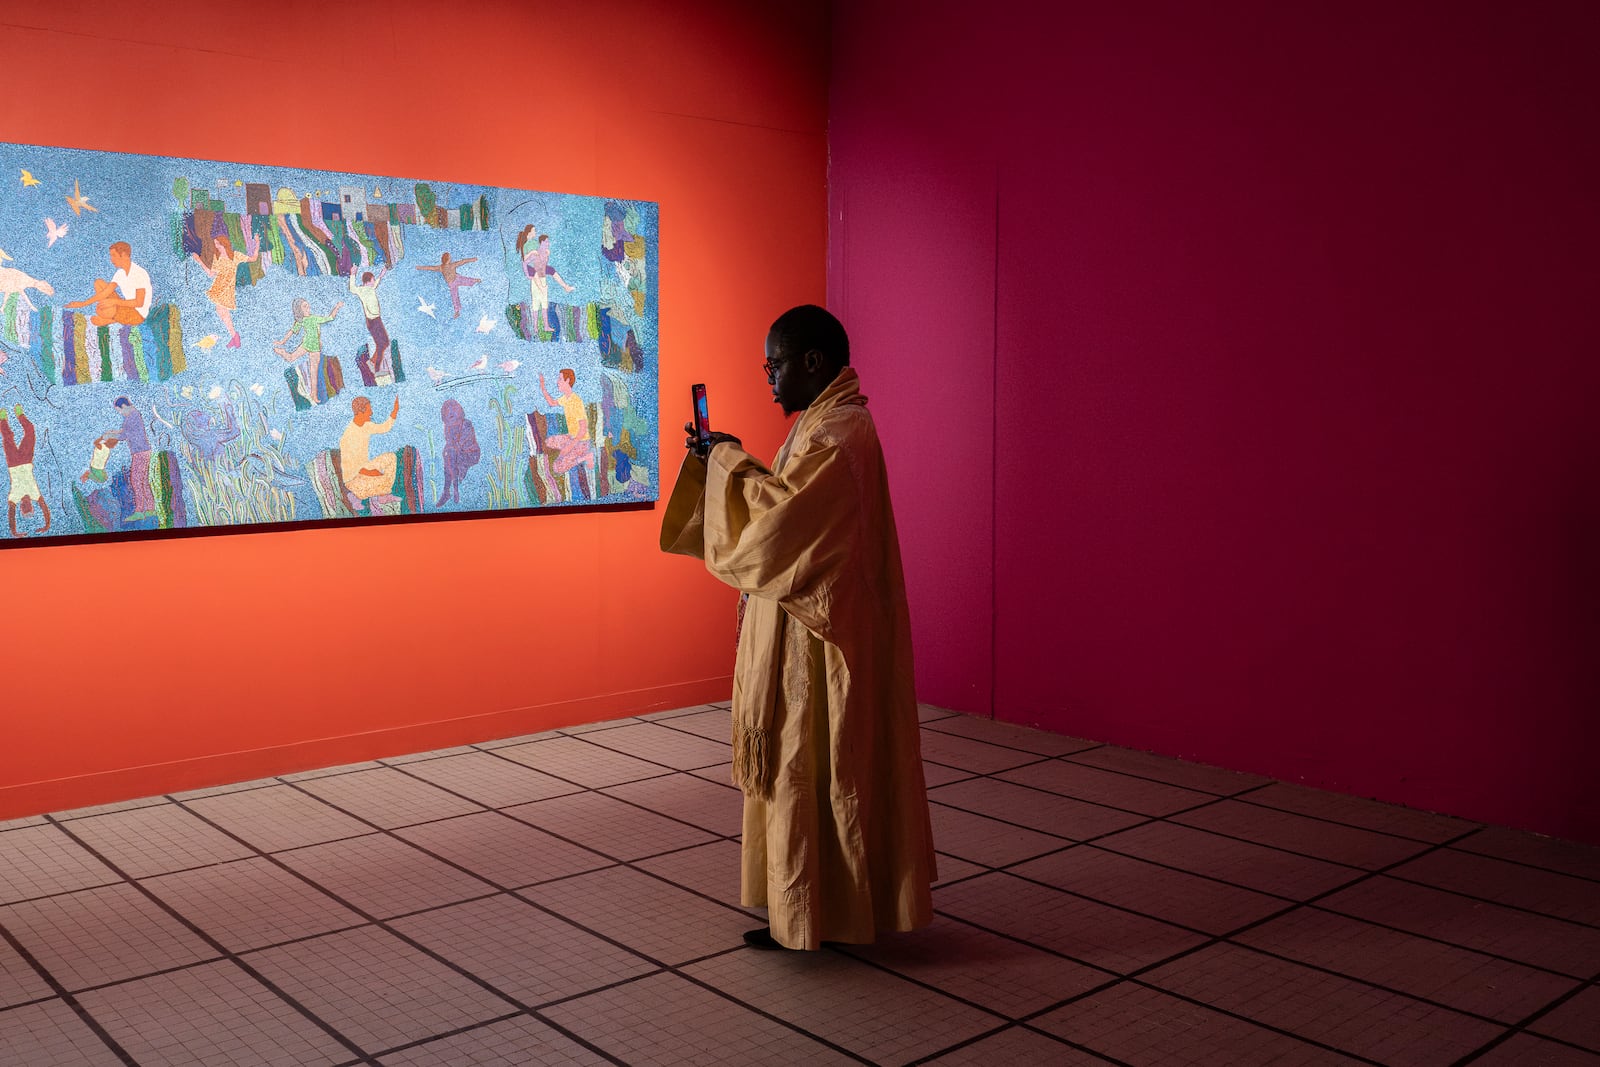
(394, 411)
(692, 440)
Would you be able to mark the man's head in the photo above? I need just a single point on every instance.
(366, 277)
(566, 381)
(122, 404)
(122, 255)
(27, 505)
(361, 410)
(806, 349)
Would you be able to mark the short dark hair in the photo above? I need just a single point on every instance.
(122, 402)
(800, 329)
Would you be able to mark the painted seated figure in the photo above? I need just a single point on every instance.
(366, 478)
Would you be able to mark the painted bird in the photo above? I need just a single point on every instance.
(54, 232)
(436, 375)
(207, 343)
(425, 307)
(4, 255)
(485, 324)
(510, 366)
(78, 202)
(28, 179)
(482, 363)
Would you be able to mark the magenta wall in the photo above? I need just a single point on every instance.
(1235, 365)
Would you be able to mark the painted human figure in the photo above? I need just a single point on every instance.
(367, 293)
(14, 282)
(24, 492)
(460, 449)
(132, 433)
(126, 298)
(306, 357)
(535, 252)
(366, 477)
(223, 272)
(205, 435)
(448, 269)
(572, 448)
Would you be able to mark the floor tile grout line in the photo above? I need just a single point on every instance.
(382, 924)
(1521, 1027)
(1498, 903)
(598, 790)
(1162, 781)
(1523, 863)
(1330, 821)
(66, 997)
(1497, 957)
(1088, 746)
(1145, 816)
(931, 1057)
(224, 952)
(1211, 941)
(846, 950)
(1336, 973)
(457, 1032)
(1290, 851)
(785, 1023)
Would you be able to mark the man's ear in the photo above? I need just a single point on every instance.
(813, 361)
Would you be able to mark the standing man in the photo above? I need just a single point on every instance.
(837, 843)
(367, 293)
(132, 434)
(19, 464)
(126, 298)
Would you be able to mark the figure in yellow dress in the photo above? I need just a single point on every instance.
(224, 271)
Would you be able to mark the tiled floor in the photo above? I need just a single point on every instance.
(571, 898)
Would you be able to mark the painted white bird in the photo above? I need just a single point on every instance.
(510, 366)
(258, 389)
(425, 307)
(4, 255)
(436, 375)
(482, 363)
(54, 232)
(216, 392)
(485, 324)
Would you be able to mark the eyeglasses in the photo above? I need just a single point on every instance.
(771, 367)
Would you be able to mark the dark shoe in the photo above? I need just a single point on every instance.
(761, 939)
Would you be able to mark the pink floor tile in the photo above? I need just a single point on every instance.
(1338, 1012)
(1456, 977)
(1138, 1025)
(1173, 896)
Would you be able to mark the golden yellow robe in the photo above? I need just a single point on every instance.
(837, 843)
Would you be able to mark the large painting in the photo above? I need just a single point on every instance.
(186, 343)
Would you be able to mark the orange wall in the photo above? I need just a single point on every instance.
(131, 668)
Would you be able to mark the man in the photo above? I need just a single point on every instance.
(126, 298)
(367, 293)
(837, 843)
(133, 434)
(19, 464)
(366, 478)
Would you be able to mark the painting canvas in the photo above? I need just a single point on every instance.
(186, 343)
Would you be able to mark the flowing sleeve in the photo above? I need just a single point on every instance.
(787, 537)
(683, 525)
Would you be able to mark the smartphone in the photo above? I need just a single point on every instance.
(702, 416)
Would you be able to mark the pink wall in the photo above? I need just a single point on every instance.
(1241, 366)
